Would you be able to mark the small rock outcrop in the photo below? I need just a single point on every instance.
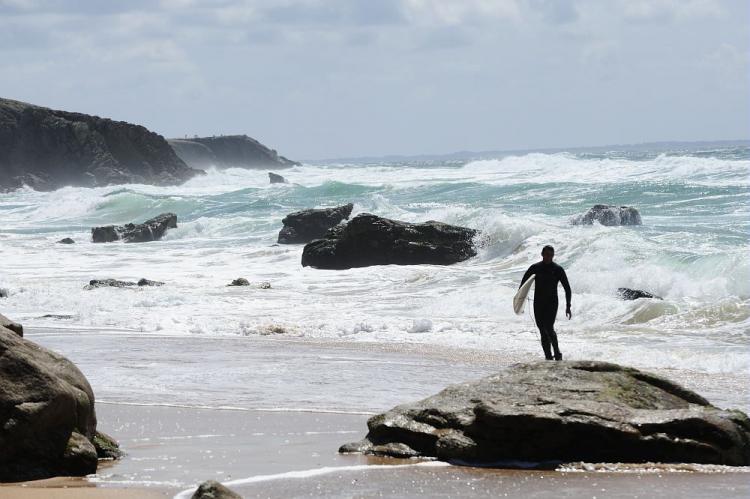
(9, 324)
(66, 240)
(304, 226)
(228, 151)
(212, 489)
(635, 294)
(47, 417)
(48, 149)
(371, 240)
(240, 281)
(562, 412)
(609, 215)
(276, 179)
(114, 283)
(150, 230)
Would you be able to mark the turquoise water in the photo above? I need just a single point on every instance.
(692, 249)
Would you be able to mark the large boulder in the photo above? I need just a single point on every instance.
(304, 226)
(228, 151)
(150, 230)
(609, 215)
(47, 418)
(48, 149)
(371, 240)
(560, 412)
(275, 178)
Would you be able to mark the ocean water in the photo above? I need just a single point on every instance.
(692, 250)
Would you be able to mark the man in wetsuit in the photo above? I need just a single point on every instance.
(548, 274)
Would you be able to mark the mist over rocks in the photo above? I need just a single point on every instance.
(47, 417)
(47, 149)
(372, 240)
(150, 230)
(304, 226)
(228, 151)
(609, 215)
(553, 412)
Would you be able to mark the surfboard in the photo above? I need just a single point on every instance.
(520, 299)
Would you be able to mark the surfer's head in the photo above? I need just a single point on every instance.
(548, 253)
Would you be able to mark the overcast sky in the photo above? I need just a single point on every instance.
(333, 78)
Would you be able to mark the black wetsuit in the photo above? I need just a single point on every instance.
(545, 302)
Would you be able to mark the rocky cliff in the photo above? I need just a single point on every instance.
(48, 149)
(238, 151)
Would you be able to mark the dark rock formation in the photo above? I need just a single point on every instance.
(304, 226)
(147, 282)
(609, 215)
(561, 412)
(240, 281)
(372, 240)
(276, 179)
(9, 324)
(47, 149)
(3, 293)
(47, 418)
(212, 489)
(228, 151)
(150, 230)
(66, 240)
(114, 283)
(634, 294)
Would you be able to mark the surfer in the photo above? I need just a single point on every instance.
(548, 274)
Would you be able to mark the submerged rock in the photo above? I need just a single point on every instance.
(240, 281)
(304, 226)
(9, 324)
(47, 418)
(150, 230)
(66, 240)
(635, 294)
(48, 149)
(276, 179)
(609, 215)
(147, 282)
(109, 283)
(560, 412)
(212, 489)
(371, 240)
(3, 293)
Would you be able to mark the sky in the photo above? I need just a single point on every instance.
(342, 78)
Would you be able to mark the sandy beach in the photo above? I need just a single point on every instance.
(283, 442)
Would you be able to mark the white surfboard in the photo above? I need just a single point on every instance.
(520, 299)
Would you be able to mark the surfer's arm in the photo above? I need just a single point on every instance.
(526, 276)
(566, 287)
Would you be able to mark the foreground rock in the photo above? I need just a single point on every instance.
(9, 324)
(228, 151)
(47, 149)
(150, 230)
(562, 412)
(66, 240)
(212, 489)
(372, 240)
(635, 294)
(609, 215)
(304, 226)
(47, 418)
(276, 179)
